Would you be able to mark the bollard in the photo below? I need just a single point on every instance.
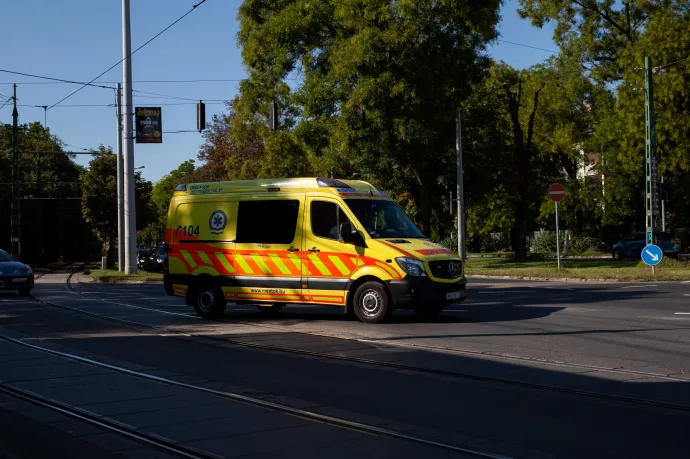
(104, 262)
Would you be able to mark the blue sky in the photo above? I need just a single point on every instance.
(78, 39)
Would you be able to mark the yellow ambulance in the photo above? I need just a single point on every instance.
(316, 241)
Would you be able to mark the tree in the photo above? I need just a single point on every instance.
(380, 82)
(99, 199)
(54, 178)
(165, 187)
(596, 33)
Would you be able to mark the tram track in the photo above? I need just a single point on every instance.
(174, 447)
(398, 366)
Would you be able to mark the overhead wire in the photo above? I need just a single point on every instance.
(528, 46)
(54, 80)
(130, 54)
(235, 80)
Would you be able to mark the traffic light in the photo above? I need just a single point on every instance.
(200, 116)
(665, 189)
(273, 117)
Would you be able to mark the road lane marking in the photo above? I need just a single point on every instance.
(683, 313)
(455, 310)
(513, 291)
(641, 286)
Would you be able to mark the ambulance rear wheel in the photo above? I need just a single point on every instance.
(209, 301)
(272, 309)
(371, 303)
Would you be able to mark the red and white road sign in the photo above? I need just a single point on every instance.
(556, 192)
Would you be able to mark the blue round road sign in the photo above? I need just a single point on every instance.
(652, 255)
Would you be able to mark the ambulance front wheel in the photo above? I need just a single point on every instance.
(209, 301)
(372, 303)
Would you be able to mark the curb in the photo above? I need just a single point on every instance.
(79, 280)
(566, 279)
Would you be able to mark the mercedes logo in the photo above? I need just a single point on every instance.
(453, 268)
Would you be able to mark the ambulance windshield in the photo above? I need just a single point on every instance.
(383, 219)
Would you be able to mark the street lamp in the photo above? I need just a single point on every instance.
(139, 168)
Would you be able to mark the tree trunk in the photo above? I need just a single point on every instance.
(110, 255)
(421, 199)
(518, 232)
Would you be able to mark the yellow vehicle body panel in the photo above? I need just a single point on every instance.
(201, 239)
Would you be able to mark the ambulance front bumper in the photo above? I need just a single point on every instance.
(413, 291)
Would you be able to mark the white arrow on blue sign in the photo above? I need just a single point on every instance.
(652, 255)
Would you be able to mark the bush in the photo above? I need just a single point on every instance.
(494, 242)
(581, 244)
(545, 242)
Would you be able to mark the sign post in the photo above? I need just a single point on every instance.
(556, 194)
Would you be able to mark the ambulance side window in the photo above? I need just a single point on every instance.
(267, 222)
(326, 218)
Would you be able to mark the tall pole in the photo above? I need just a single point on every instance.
(460, 189)
(558, 241)
(120, 183)
(14, 224)
(663, 211)
(129, 201)
(651, 175)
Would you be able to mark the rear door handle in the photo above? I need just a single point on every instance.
(314, 250)
(293, 249)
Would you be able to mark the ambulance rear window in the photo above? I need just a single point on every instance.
(267, 222)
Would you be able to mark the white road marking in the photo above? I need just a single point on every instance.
(686, 294)
(685, 282)
(499, 292)
(683, 313)
(456, 310)
(641, 286)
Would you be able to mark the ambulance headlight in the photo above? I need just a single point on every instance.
(411, 266)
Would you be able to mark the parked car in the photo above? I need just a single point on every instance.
(158, 257)
(631, 246)
(15, 275)
(144, 259)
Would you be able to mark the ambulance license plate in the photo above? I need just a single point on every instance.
(19, 279)
(453, 295)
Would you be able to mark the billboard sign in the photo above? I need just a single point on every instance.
(149, 125)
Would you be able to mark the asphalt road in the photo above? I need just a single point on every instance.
(524, 369)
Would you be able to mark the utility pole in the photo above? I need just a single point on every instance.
(15, 217)
(651, 173)
(129, 205)
(45, 116)
(460, 189)
(120, 183)
(663, 210)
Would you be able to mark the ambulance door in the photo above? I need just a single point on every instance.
(329, 260)
(268, 249)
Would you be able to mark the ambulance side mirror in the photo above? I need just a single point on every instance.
(350, 235)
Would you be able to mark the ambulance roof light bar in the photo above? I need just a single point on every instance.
(330, 183)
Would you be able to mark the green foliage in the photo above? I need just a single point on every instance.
(545, 242)
(165, 187)
(380, 83)
(99, 199)
(495, 242)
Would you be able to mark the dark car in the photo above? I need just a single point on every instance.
(144, 259)
(15, 275)
(158, 258)
(631, 246)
